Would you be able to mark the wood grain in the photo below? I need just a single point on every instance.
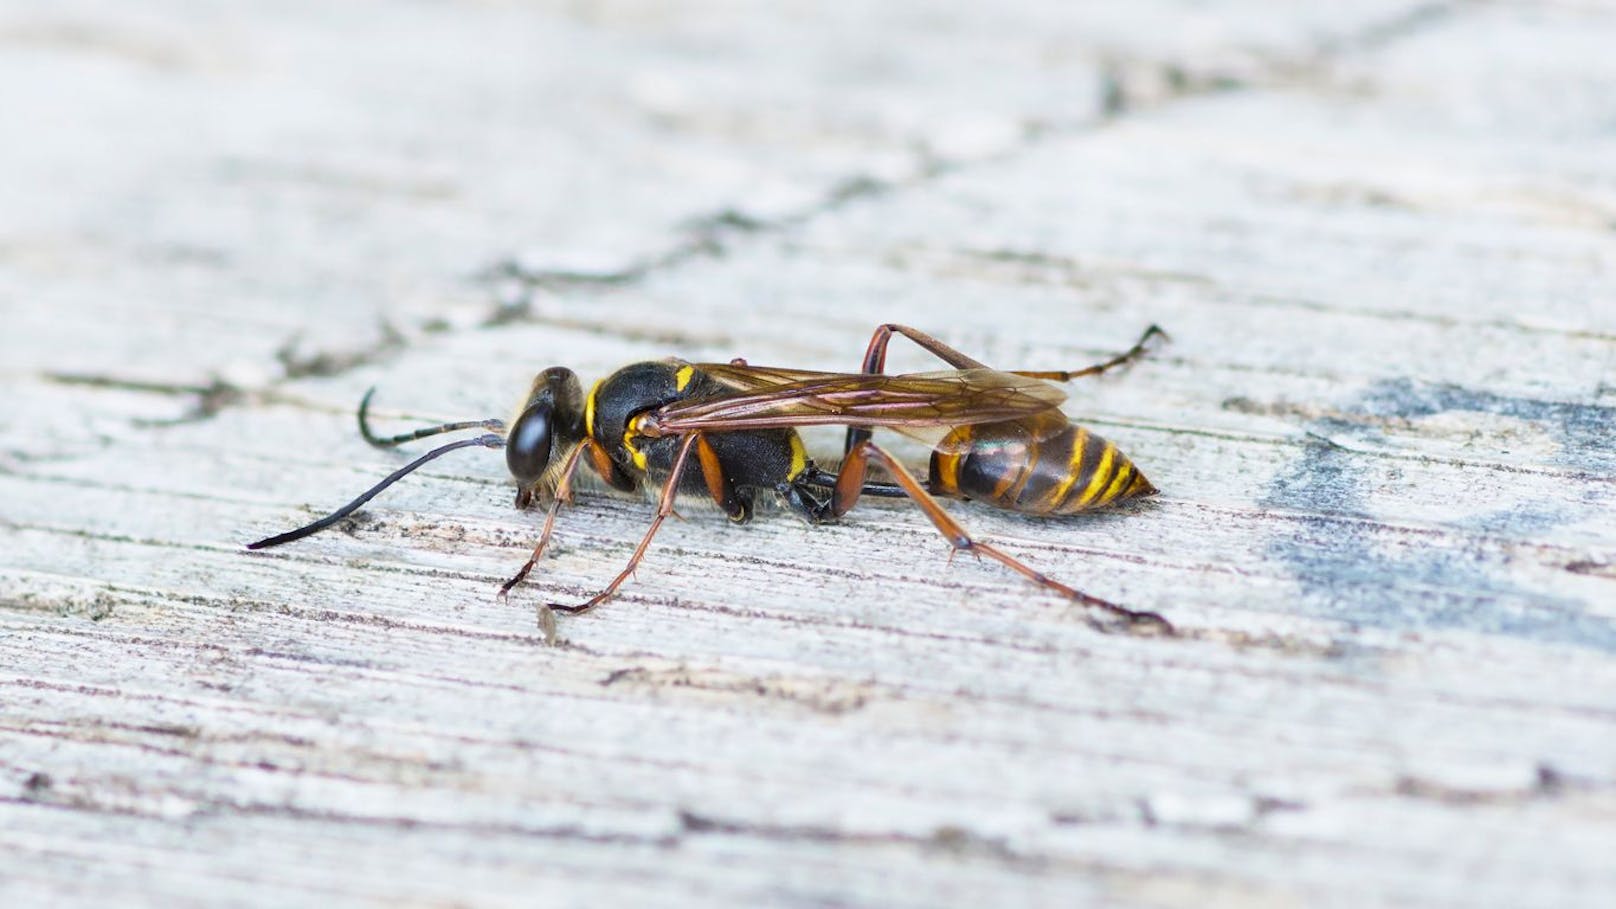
(1381, 239)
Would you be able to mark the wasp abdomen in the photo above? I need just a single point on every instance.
(1036, 466)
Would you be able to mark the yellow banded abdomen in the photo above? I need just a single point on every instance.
(1042, 465)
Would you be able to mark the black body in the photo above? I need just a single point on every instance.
(752, 461)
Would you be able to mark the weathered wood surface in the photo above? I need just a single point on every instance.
(1382, 238)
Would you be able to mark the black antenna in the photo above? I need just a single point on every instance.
(487, 441)
(401, 438)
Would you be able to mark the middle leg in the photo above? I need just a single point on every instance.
(563, 493)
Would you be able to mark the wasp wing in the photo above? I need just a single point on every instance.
(742, 376)
(768, 398)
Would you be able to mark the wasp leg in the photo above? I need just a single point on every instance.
(875, 360)
(816, 479)
(809, 493)
(670, 491)
(849, 487)
(875, 356)
(1127, 356)
(614, 475)
(737, 506)
(563, 493)
(804, 498)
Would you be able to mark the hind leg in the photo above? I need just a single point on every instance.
(849, 488)
(875, 360)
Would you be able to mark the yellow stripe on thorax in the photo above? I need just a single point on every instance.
(683, 377)
(799, 457)
(630, 433)
(589, 409)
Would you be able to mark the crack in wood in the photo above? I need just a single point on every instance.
(830, 696)
(1547, 783)
(949, 838)
(717, 234)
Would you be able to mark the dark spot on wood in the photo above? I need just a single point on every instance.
(1378, 574)
(1593, 568)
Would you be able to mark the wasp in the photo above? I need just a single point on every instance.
(729, 432)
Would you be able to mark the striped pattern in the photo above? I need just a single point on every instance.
(1038, 466)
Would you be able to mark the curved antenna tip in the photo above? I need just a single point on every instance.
(376, 441)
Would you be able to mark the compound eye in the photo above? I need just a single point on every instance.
(527, 447)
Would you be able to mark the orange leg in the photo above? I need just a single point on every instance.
(1132, 353)
(563, 493)
(664, 508)
(850, 484)
(875, 360)
(718, 484)
(875, 356)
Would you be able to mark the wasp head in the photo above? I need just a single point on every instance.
(549, 425)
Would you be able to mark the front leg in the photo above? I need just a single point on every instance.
(563, 493)
(670, 492)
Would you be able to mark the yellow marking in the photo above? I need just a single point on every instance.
(683, 377)
(799, 457)
(589, 409)
(1099, 479)
(1074, 463)
(630, 432)
(948, 465)
(949, 457)
(1112, 490)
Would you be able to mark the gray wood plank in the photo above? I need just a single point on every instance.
(1380, 237)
